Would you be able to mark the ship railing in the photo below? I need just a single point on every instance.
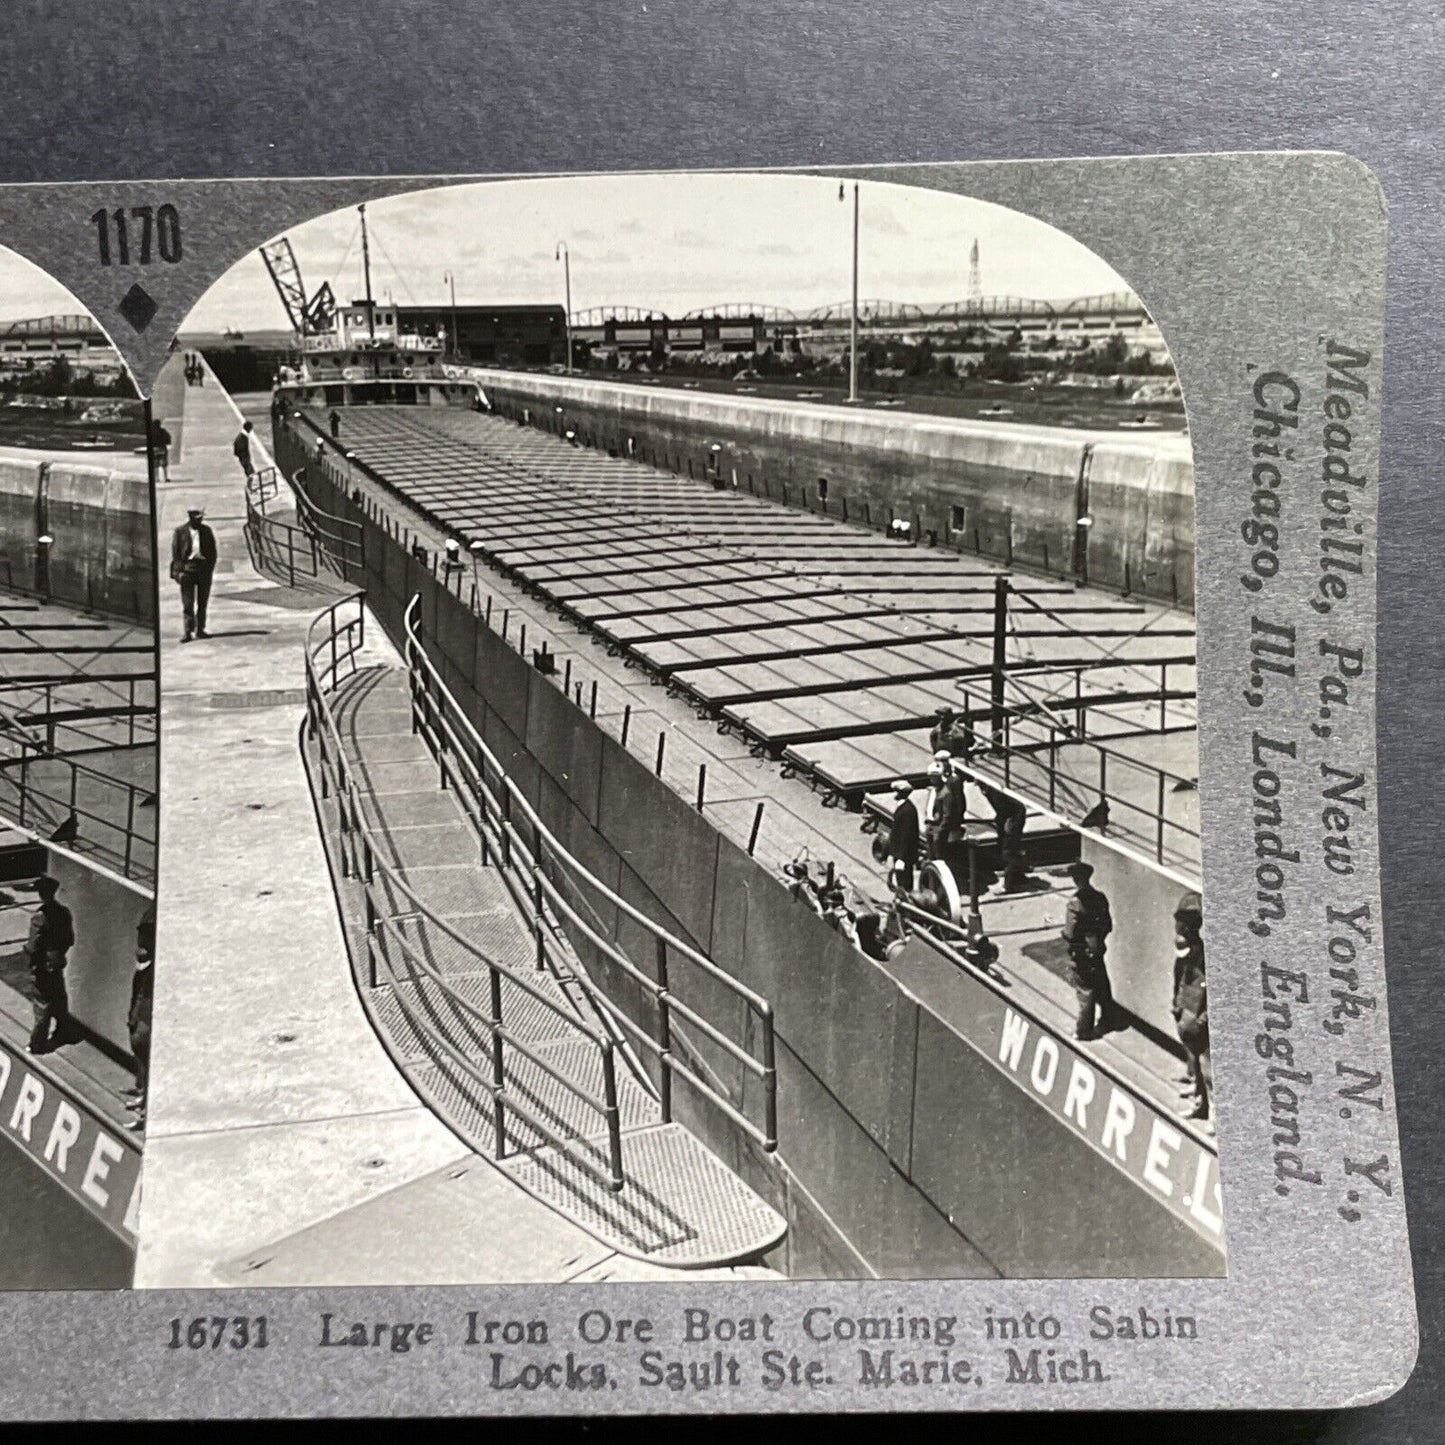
(1037, 753)
(563, 902)
(81, 808)
(77, 724)
(393, 910)
(1115, 696)
(360, 381)
(306, 543)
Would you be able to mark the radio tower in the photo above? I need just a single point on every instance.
(975, 279)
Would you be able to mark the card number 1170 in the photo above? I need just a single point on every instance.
(138, 235)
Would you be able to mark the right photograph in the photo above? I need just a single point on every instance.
(679, 750)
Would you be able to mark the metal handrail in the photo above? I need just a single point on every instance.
(262, 487)
(348, 538)
(461, 752)
(314, 541)
(1039, 700)
(362, 860)
(45, 693)
(426, 374)
(32, 794)
(1050, 738)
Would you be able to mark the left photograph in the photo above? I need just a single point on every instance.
(78, 771)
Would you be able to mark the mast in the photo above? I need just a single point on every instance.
(366, 270)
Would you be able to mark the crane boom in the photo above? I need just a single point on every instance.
(307, 316)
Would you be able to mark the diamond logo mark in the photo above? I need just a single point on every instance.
(137, 307)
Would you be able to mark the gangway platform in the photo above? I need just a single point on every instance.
(489, 1014)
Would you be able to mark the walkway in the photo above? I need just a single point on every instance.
(284, 1145)
(428, 989)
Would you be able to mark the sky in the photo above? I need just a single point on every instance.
(27, 291)
(664, 242)
(670, 243)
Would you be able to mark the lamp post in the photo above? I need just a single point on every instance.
(853, 320)
(565, 257)
(451, 281)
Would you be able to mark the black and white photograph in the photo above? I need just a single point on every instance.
(721, 711)
(679, 750)
(78, 801)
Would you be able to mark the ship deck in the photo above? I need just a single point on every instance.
(770, 660)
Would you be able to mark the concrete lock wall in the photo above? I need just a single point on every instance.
(1147, 500)
(1003, 492)
(902, 1150)
(100, 556)
(19, 523)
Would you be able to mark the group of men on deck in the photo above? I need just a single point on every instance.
(916, 838)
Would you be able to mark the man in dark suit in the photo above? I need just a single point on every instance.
(943, 824)
(1191, 1003)
(193, 560)
(950, 734)
(52, 936)
(161, 449)
(1086, 930)
(955, 783)
(242, 448)
(1009, 817)
(903, 838)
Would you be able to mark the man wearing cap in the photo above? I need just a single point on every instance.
(944, 817)
(948, 736)
(193, 560)
(51, 937)
(954, 777)
(1087, 926)
(903, 838)
(1191, 1004)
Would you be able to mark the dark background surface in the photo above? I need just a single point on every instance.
(127, 89)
